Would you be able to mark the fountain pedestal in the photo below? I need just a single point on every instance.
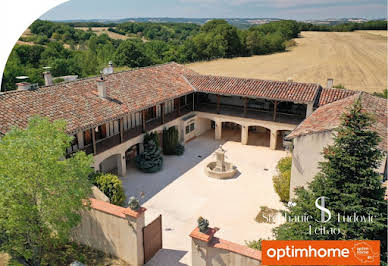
(220, 168)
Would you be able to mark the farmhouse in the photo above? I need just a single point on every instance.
(316, 132)
(109, 115)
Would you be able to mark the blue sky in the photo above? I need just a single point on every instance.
(293, 9)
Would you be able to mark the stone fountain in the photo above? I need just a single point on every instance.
(220, 168)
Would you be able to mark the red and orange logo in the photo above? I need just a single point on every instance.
(321, 252)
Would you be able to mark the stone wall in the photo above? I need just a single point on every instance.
(210, 250)
(112, 229)
(305, 157)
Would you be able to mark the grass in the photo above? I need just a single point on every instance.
(266, 212)
(69, 253)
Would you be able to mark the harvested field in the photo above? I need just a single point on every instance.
(357, 60)
(101, 30)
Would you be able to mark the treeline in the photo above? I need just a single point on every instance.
(158, 31)
(345, 27)
(30, 59)
(46, 31)
(86, 54)
(171, 42)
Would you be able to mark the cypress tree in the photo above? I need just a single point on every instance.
(349, 181)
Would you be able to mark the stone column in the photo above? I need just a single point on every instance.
(200, 246)
(244, 135)
(121, 165)
(273, 139)
(218, 130)
(309, 109)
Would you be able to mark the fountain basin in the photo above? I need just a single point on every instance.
(228, 171)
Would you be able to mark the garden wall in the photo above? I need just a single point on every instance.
(112, 229)
(210, 250)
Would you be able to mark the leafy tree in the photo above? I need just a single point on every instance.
(41, 193)
(350, 182)
(130, 53)
(12, 69)
(29, 54)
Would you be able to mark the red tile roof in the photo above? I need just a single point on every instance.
(275, 90)
(77, 102)
(332, 95)
(327, 117)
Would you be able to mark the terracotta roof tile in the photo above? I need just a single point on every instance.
(114, 209)
(78, 103)
(276, 90)
(327, 117)
(332, 95)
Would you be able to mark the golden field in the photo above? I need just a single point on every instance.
(357, 60)
(101, 30)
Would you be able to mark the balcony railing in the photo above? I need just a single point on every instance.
(250, 113)
(109, 142)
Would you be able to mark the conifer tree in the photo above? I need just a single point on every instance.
(349, 181)
(150, 160)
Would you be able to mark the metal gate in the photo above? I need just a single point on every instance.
(152, 238)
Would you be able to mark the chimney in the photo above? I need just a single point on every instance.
(48, 79)
(330, 83)
(23, 86)
(101, 87)
(111, 66)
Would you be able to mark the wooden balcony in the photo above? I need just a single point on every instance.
(109, 142)
(252, 113)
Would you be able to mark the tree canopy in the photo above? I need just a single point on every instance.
(41, 192)
(71, 51)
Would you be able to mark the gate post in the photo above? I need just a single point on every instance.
(136, 222)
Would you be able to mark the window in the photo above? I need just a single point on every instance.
(190, 128)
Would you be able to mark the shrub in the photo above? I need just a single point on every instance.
(339, 86)
(266, 215)
(133, 203)
(93, 177)
(150, 161)
(152, 136)
(256, 244)
(281, 181)
(180, 149)
(290, 43)
(58, 80)
(203, 224)
(112, 187)
(171, 145)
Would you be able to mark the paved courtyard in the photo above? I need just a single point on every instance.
(181, 192)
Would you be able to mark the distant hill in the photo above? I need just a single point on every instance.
(238, 22)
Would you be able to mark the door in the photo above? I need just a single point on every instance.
(152, 238)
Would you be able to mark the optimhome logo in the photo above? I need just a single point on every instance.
(321, 252)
